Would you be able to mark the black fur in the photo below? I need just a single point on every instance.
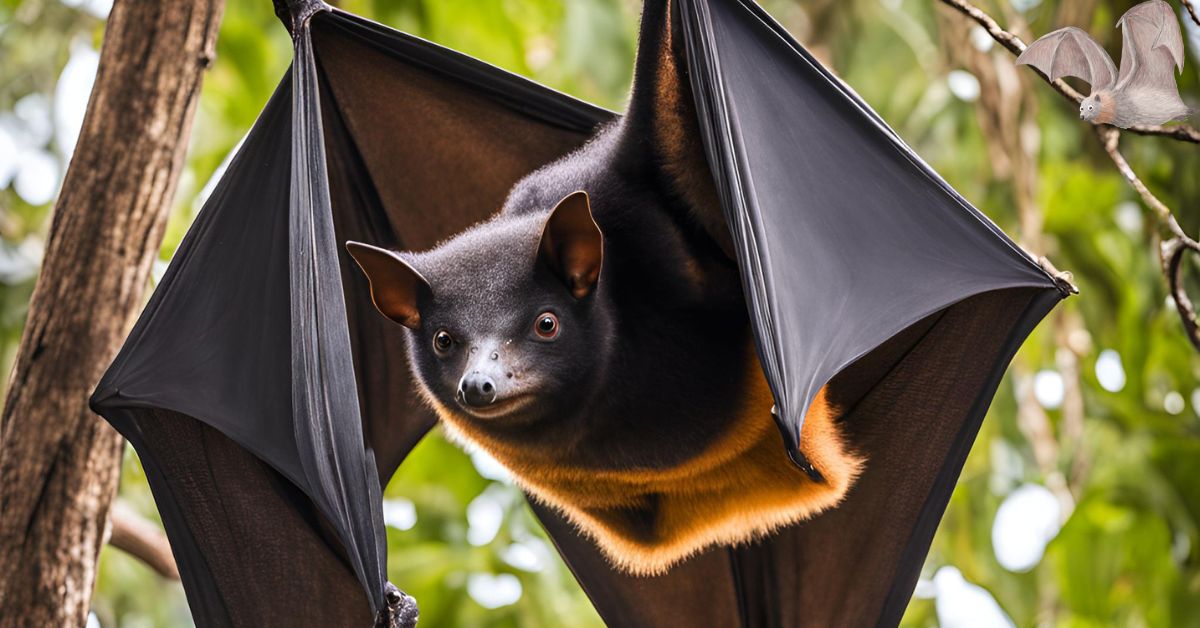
(640, 370)
(641, 373)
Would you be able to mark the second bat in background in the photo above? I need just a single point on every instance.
(1144, 91)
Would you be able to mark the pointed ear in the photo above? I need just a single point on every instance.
(572, 245)
(396, 287)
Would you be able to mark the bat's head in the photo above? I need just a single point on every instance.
(1089, 108)
(1099, 107)
(505, 323)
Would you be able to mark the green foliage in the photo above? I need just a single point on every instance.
(1127, 551)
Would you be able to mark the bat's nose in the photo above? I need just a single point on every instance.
(477, 390)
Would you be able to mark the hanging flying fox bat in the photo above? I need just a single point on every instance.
(583, 335)
(1144, 91)
(642, 320)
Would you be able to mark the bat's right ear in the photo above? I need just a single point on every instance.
(572, 245)
(396, 287)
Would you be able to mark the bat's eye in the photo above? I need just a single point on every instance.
(442, 341)
(546, 325)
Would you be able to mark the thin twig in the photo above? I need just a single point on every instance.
(1172, 253)
(1109, 138)
(1187, 4)
(1015, 45)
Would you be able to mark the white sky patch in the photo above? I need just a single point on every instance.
(489, 467)
(961, 604)
(71, 96)
(925, 589)
(963, 85)
(1192, 33)
(399, 513)
(1025, 5)
(1109, 371)
(19, 263)
(1128, 217)
(1173, 403)
(1048, 388)
(1028, 519)
(8, 157)
(494, 591)
(158, 268)
(98, 8)
(38, 178)
(526, 555)
(981, 40)
(33, 117)
(485, 513)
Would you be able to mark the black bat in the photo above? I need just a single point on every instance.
(775, 243)
(593, 338)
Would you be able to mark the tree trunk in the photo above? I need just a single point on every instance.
(59, 463)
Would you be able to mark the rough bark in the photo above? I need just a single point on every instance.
(59, 463)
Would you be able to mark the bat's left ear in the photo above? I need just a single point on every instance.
(397, 289)
(572, 245)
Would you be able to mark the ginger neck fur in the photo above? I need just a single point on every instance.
(740, 487)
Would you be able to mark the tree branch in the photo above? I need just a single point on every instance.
(1015, 45)
(135, 535)
(1187, 4)
(1171, 252)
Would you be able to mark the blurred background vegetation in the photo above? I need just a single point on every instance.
(1080, 502)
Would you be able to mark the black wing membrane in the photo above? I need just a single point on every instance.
(265, 397)
(861, 266)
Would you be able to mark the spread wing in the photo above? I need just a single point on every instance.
(1071, 52)
(861, 268)
(858, 263)
(1152, 47)
(358, 143)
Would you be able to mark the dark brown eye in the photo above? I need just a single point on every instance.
(546, 325)
(442, 341)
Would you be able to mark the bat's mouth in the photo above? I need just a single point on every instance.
(498, 408)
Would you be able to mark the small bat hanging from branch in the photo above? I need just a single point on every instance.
(1143, 92)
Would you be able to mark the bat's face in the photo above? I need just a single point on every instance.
(502, 338)
(504, 346)
(1089, 109)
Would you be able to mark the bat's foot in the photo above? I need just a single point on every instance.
(400, 612)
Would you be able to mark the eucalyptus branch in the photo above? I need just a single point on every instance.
(1172, 251)
(1110, 138)
(1015, 45)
